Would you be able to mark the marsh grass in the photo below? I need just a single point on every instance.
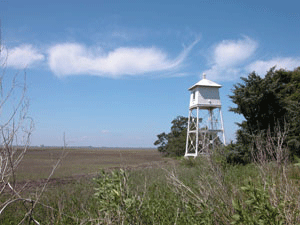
(205, 190)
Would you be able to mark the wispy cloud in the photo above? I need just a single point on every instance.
(76, 59)
(261, 67)
(21, 57)
(229, 56)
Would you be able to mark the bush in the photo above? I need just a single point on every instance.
(173, 143)
(116, 203)
(256, 209)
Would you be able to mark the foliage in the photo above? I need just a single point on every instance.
(173, 143)
(237, 154)
(116, 204)
(257, 208)
(297, 160)
(157, 204)
(266, 104)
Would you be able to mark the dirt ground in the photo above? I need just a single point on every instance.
(80, 163)
(38, 162)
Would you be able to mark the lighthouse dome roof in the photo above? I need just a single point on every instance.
(205, 83)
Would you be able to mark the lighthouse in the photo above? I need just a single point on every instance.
(205, 122)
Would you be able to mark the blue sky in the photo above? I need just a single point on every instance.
(116, 73)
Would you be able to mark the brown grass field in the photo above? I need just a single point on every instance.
(38, 162)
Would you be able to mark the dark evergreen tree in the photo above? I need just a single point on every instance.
(267, 104)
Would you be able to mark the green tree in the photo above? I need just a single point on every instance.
(267, 104)
(173, 143)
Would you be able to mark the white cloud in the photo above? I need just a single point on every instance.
(21, 56)
(76, 59)
(229, 52)
(262, 67)
(231, 60)
(228, 57)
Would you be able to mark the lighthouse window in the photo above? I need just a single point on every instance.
(193, 95)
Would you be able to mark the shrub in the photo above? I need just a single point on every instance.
(116, 203)
(257, 208)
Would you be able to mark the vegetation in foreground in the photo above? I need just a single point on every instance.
(205, 190)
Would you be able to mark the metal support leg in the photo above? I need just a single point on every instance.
(222, 126)
(188, 134)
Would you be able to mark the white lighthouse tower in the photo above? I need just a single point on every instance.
(205, 122)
